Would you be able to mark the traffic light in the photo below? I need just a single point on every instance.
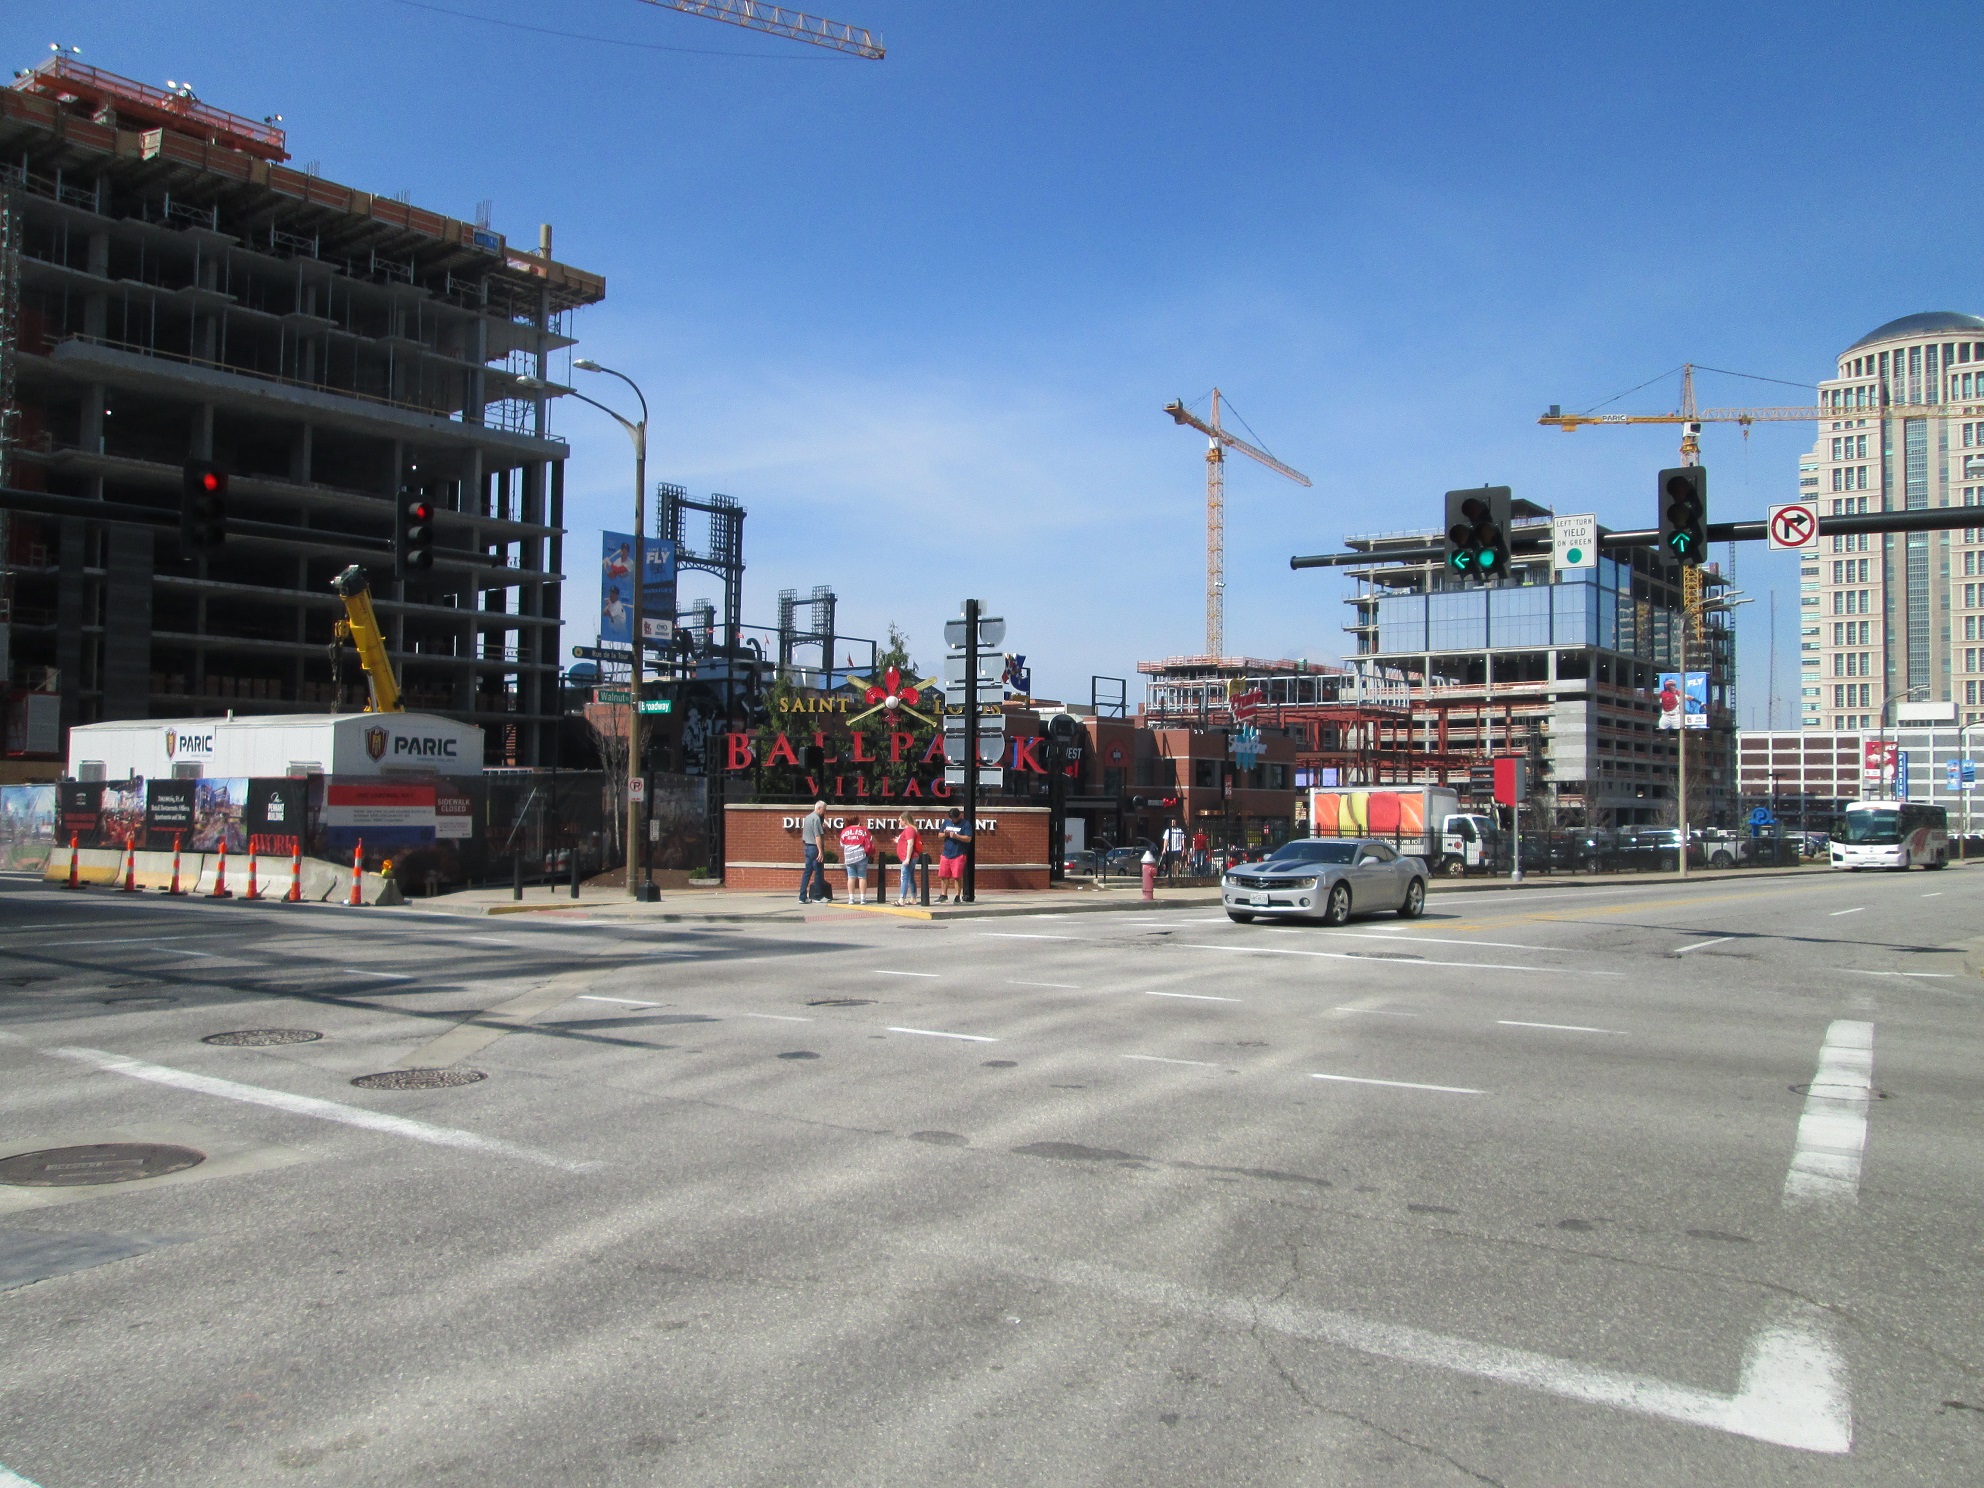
(1683, 494)
(413, 534)
(202, 507)
(1477, 532)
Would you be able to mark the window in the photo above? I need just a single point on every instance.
(90, 770)
(1202, 773)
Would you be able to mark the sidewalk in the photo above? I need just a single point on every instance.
(718, 906)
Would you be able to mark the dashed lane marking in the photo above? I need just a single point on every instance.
(384, 976)
(1559, 1027)
(1193, 996)
(623, 1001)
(1374, 1012)
(1017, 935)
(320, 1110)
(1941, 976)
(1703, 944)
(13, 1479)
(1832, 1132)
(1838, 912)
(1156, 1059)
(1258, 950)
(1057, 986)
(975, 1038)
(884, 971)
(1400, 1084)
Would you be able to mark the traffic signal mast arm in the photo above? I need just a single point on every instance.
(1936, 519)
(361, 627)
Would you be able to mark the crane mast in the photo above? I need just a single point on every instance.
(1218, 441)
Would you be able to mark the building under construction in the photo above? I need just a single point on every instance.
(171, 290)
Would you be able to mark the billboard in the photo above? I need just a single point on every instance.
(275, 814)
(219, 806)
(386, 818)
(168, 813)
(1673, 694)
(616, 585)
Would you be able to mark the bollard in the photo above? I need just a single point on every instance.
(74, 882)
(295, 894)
(177, 839)
(575, 872)
(357, 874)
(923, 862)
(130, 865)
(254, 892)
(516, 875)
(220, 872)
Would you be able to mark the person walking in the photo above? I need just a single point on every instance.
(950, 862)
(909, 843)
(855, 842)
(1201, 844)
(1174, 848)
(811, 836)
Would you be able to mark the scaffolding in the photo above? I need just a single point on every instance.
(819, 631)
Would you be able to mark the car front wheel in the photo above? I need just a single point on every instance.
(1239, 918)
(1336, 909)
(1415, 900)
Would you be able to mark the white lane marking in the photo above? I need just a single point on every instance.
(976, 1038)
(1941, 976)
(1400, 1084)
(1193, 996)
(183, 951)
(1255, 950)
(146, 940)
(1375, 1012)
(1411, 939)
(1560, 1027)
(1016, 935)
(1058, 986)
(13, 1479)
(1703, 944)
(881, 971)
(384, 976)
(321, 1110)
(623, 1001)
(1838, 912)
(776, 1017)
(1791, 1393)
(1937, 895)
(1155, 1059)
(1832, 1132)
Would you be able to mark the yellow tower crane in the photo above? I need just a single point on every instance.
(1218, 441)
(776, 20)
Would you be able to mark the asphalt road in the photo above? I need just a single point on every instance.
(1636, 1185)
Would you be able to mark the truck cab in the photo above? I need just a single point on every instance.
(1467, 842)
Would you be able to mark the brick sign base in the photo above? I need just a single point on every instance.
(762, 848)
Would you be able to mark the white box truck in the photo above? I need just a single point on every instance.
(1424, 821)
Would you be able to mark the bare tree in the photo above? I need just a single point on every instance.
(609, 725)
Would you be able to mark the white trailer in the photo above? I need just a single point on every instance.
(380, 745)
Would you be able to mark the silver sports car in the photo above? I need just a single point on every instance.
(1326, 879)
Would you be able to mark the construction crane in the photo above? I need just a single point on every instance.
(1692, 418)
(1218, 441)
(361, 627)
(776, 20)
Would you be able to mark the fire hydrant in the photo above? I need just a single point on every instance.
(1150, 873)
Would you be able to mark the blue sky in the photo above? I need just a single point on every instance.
(920, 316)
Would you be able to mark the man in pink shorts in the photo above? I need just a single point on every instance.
(950, 864)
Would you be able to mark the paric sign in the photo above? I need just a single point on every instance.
(1795, 525)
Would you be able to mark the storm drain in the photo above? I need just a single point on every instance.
(419, 1079)
(102, 1162)
(263, 1038)
(840, 1002)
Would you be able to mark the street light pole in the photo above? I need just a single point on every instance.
(1962, 784)
(1887, 775)
(638, 432)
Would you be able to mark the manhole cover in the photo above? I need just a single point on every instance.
(841, 1002)
(104, 1162)
(263, 1038)
(419, 1079)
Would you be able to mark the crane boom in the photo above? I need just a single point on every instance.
(361, 626)
(776, 20)
(1183, 415)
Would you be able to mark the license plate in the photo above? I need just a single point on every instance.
(1259, 901)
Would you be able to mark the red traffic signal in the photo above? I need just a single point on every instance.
(413, 535)
(202, 507)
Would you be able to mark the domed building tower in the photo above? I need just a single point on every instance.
(1904, 431)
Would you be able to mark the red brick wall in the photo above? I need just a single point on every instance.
(762, 848)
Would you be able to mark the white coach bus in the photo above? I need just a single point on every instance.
(1892, 834)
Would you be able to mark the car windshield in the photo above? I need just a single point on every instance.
(1873, 826)
(1315, 852)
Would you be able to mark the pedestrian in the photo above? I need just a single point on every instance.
(950, 862)
(1201, 844)
(811, 828)
(855, 842)
(909, 843)
(1174, 847)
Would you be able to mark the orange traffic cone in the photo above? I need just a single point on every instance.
(357, 872)
(253, 892)
(75, 882)
(177, 839)
(295, 894)
(130, 865)
(220, 873)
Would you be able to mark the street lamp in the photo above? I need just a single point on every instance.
(638, 432)
(1963, 758)
(1888, 775)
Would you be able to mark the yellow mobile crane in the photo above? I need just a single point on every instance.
(361, 627)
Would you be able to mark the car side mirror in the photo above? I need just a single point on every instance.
(1366, 862)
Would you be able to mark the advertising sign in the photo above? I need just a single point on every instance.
(1673, 695)
(616, 585)
(121, 815)
(388, 818)
(168, 813)
(1880, 762)
(276, 814)
(78, 809)
(27, 825)
(1963, 774)
(218, 809)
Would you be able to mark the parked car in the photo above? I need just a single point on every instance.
(1080, 861)
(1326, 879)
(1655, 849)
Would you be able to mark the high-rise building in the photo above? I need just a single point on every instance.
(1889, 615)
(171, 290)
